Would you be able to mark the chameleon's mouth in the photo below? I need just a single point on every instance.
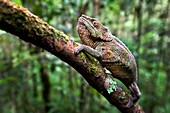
(83, 21)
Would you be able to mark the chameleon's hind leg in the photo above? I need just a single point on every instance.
(135, 95)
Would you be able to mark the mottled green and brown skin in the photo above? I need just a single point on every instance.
(111, 52)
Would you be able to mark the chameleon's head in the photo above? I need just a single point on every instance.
(91, 28)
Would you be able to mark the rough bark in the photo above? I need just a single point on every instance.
(28, 27)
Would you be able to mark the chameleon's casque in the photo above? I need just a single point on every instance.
(111, 52)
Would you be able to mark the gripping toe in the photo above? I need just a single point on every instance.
(130, 103)
(135, 92)
(78, 49)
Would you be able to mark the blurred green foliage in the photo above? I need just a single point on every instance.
(26, 72)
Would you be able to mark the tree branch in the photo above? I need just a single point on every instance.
(28, 27)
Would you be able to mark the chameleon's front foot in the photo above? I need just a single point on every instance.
(87, 49)
(135, 95)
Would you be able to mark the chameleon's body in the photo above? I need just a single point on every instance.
(111, 52)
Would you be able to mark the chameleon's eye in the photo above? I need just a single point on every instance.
(105, 29)
(95, 23)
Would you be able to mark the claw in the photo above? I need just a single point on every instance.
(130, 103)
(136, 90)
(78, 49)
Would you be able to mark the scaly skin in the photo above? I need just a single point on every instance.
(111, 52)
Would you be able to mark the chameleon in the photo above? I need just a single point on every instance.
(111, 52)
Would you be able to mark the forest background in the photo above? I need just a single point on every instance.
(34, 81)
